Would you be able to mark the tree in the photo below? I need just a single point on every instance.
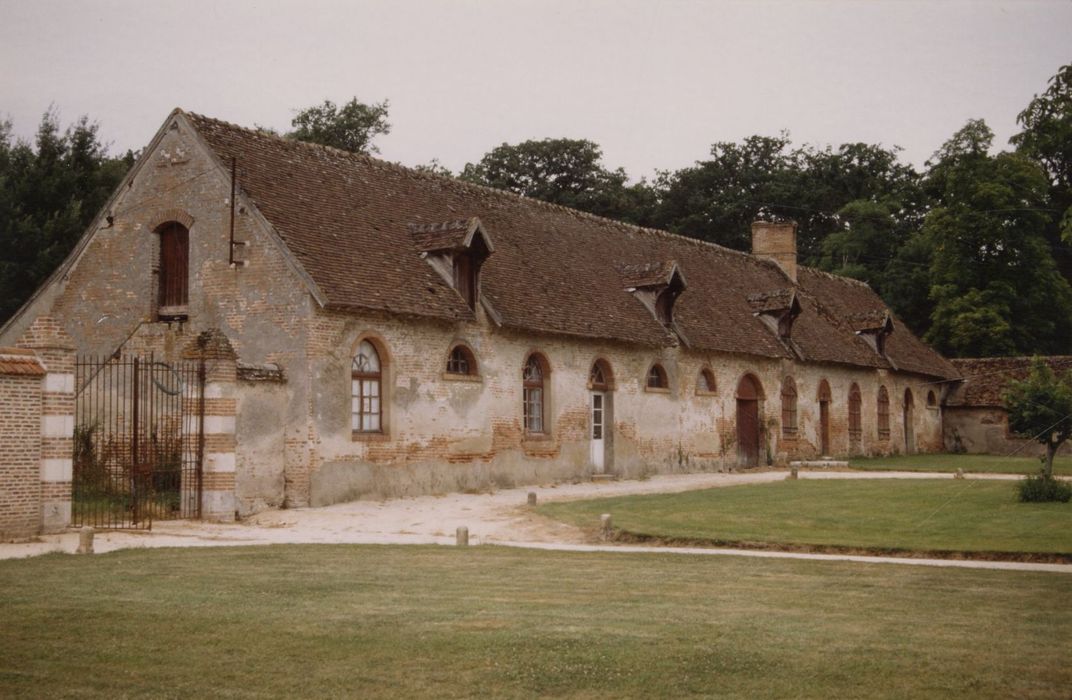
(993, 281)
(1047, 139)
(48, 195)
(563, 171)
(350, 128)
(1040, 408)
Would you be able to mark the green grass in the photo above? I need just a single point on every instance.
(990, 464)
(910, 514)
(360, 621)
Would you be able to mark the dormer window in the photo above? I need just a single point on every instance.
(657, 285)
(457, 251)
(778, 309)
(874, 327)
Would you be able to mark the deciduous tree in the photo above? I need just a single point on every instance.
(1040, 408)
(351, 127)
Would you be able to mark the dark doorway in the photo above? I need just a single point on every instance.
(824, 418)
(909, 430)
(748, 395)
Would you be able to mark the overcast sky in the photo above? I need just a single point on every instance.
(653, 82)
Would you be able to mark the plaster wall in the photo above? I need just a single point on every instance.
(444, 433)
(985, 430)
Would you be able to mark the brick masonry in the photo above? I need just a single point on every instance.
(36, 432)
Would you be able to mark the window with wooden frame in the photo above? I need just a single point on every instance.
(855, 425)
(789, 407)
(533, 394)
(705, 382)
(883, 413)
(657, 378)
(461, 361)
(366, 390)
(174, 271)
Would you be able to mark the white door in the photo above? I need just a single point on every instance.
(598, 430)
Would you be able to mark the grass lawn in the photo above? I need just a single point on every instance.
(910, 514)
(996, 464)
(366, 621)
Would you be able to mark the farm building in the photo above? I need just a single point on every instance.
(974, 415)
(282, 324)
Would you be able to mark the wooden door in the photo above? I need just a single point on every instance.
(747, 432)
(824, 428)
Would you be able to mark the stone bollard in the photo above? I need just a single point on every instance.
(85, 540)
(606, 527)
(532, 498)
(793, 473)
(461, 537)
(959, 474)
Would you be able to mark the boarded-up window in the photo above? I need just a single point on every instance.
(465, 279)
(883, 413)
(533, 394)
(366, 412)
(174, 266)
(461, 361)
(657, 377)
(789, 407)
(855, 429)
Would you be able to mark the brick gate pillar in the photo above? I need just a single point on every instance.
(220, 401)
(56, 351)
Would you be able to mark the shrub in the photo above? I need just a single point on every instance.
(1044, 488)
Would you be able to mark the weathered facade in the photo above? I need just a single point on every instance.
(975, 419)
(395, 333)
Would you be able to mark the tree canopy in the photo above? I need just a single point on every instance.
(351, 127)
(1040, 408)
(49, 192)
(564, 171)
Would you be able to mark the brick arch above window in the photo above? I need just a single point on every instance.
(167, 216)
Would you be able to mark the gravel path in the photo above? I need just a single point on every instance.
(500, 517)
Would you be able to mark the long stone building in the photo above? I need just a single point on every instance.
(393, 332)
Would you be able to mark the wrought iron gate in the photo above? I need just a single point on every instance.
(138, 441)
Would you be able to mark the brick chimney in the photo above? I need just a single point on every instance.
(777, 241)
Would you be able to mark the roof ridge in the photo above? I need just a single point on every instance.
(456, 182)
(831, 275)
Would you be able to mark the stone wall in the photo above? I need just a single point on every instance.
(985, 430)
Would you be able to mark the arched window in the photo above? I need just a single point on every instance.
(855, 429)
(461, 361)
(657, 377)
(705, 382)
(174, 273)
(600, 377)
(366, 412)
(533, 394)
(789, 407)
(932, 400)
(883, 413)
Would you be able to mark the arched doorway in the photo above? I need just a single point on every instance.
(909, 430)
(824, 418)
(749, 392)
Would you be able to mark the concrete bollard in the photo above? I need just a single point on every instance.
(461, 537)
(959, 474)
(85, 540)
(606, 527)
(532, 498)
(793, 474)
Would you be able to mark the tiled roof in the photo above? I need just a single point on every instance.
(985, 378)
(647, 274)
(18, 361)
(774, 300)
(447, 235)
(355, 225)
